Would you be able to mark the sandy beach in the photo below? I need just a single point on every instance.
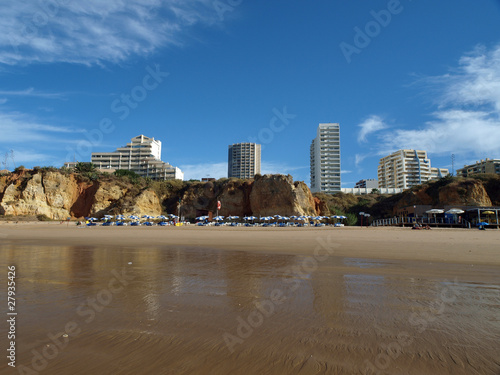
(215, 300)
(445, 245)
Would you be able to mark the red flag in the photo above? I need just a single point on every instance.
(218, 205)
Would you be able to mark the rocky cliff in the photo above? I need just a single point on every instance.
(262, 196)
(447, 192)
(59, 195)
(480, 190)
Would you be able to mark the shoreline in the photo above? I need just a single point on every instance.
(437, 245)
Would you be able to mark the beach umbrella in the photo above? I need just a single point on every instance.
(233, 217)
(482, 224)
(455, 211)
(218, 218)
(201, 218)
(249, 218)
(435, 211)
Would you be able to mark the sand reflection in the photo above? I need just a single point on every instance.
(168, 309)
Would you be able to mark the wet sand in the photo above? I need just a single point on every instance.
(254, 300)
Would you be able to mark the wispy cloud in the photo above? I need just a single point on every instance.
(31, 92)
(19, 128)
(18, 156)
(371, 125)
(95, 31)
(358, 159)
(467, 119)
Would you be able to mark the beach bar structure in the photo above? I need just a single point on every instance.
(471, 216)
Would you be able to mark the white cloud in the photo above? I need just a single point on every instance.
(95, 31)
(467, 121)
(477, 81)
(19, 128)
(22, 156)
(453, 131)
(198, 171)
(358, 159)
(371, 125)
(32, 93)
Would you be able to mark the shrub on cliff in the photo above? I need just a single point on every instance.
(82, 167)
(128, 175)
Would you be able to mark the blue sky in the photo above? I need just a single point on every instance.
(82, 77)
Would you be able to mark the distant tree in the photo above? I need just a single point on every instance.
(375, 191)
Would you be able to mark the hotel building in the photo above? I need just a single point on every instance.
(406, 168)
(325, 159)
(243, 160)
(142, 156)
(483, 166)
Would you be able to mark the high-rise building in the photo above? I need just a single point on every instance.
(325, 159)
(483, 166)
(243, 160)
(142, 156)
(406, 168)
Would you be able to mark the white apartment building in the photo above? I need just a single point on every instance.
(406, 168)
(243, 160)
(483, 166)
(325, 159)
(142, 156)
